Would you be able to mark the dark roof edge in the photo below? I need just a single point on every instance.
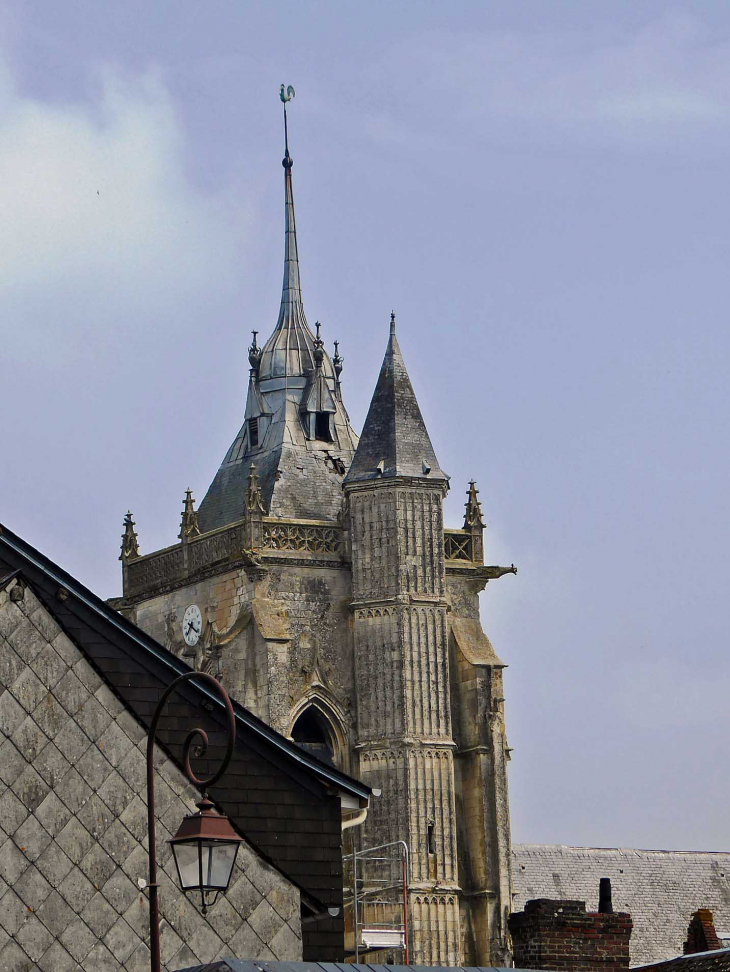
(110, 616)
(712, 953)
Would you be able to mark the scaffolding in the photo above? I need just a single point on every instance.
(376, 900)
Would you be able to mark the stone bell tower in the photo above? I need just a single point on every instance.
(338, 609)
(395, 490)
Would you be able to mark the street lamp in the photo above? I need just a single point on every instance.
(205, 845)
(205, 849)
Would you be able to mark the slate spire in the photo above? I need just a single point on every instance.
(289, 352)
(394, 440)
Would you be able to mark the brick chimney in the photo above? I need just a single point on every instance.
(701, 934)
(564, 937)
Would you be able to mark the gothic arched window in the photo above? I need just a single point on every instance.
(313, 732)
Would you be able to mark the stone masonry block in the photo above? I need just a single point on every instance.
(71, 693)
(92, 717)
(42, 620)
(121, 940)
(27, 640)
(51, 765)
(77, 889)
(66, 649)
(10, 617)
(79, 939)
(115, 793)
(87, 675)
(29, 787)
(33, 889)
(53, 814)
(49, 666)
(12, 812)
(54, 865)
(72, 742)
(14, 959)
(97, 865)
(99, 915)
(118, 842)
(28, 689)
(100, 959)
(133, 770)
(13, 863)
(94, 767)
(119, 891)
(75, 840)
(56, 959)
(56, 914)
(34, 938)
(96, 816)
(50, 715)
(12, 712)
(29, 739)
(12, 912)
(115, 744)
(31, 838)
(73, 791)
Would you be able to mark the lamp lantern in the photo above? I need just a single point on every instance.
(205, 848)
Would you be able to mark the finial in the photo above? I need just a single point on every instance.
(189, 526)
(318, 346)
(286, 94)
(130, 544)
(338, 362)
(253, 496)
(473, 515)
(392, 322)
(254, 353)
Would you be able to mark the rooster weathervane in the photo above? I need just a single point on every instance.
(286, 94)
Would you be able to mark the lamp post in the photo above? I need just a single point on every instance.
(206, 845)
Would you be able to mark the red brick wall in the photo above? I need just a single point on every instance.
(701, 934)
(563, 936)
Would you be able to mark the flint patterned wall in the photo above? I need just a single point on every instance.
(73, 826)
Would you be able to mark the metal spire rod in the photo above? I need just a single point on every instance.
(286, 94)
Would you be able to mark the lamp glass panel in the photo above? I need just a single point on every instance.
(218, 859)
(186, 856)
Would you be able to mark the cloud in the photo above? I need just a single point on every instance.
(97, 213)
(619, 84)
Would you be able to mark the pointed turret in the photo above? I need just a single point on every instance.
(394, 440)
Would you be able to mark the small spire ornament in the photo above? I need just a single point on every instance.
(189, 527)
(254, 503)
(130, 543)
(473, 516)
(254, 354)
(338, 361)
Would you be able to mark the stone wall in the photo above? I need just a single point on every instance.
(562, 936)
(73, 825)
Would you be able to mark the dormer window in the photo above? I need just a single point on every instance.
(322, 431)
(253, 432)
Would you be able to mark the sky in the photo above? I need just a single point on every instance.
(539, 190)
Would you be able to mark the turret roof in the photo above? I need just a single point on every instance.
(394, 440)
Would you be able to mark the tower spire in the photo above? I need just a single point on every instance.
(291, 295)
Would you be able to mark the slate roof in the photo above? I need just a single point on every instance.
(394, 440)
(278, 795)
(660, 889)
(714, 961)
(299, 478)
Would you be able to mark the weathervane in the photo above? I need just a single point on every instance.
(286, 94)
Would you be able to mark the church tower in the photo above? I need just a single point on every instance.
(395, 492)
(317, 580)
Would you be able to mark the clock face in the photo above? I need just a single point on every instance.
(192, 624)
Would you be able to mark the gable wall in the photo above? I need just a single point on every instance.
(73, 826)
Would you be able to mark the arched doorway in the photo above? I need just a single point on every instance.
(313, 732)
